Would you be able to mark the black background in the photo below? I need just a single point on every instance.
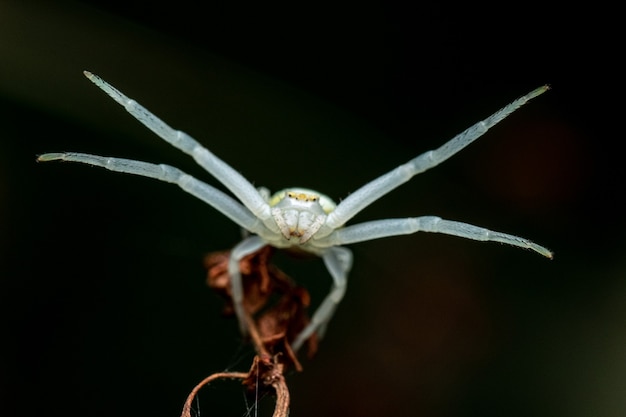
(104, 306)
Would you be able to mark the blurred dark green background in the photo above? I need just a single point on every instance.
(104, 306)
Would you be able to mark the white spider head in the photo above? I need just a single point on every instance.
(300, 212)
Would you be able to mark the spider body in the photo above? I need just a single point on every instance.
(300, 213)
(298, 217)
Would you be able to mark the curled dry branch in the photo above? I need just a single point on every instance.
(275, 313)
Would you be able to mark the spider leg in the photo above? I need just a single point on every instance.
(243, 249)
(338, 261)
(224, 173)
(377, 188)
(222, 202)
(394, 227)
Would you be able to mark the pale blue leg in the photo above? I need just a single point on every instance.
(210, 195)
(377, 188)
(224, 173)
(393, 227)
(244, 248)
(338, 262)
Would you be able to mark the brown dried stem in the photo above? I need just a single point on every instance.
(220, 375)
(270, 331)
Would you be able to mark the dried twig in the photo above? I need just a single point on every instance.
(271, 327)
(220, 375)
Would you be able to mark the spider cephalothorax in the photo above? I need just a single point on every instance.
(300, 213)
(299, 217)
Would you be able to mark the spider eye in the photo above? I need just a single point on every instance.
(302, 196)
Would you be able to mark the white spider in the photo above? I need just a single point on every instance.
(298, 217)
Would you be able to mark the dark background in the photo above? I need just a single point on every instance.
(104, 305)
